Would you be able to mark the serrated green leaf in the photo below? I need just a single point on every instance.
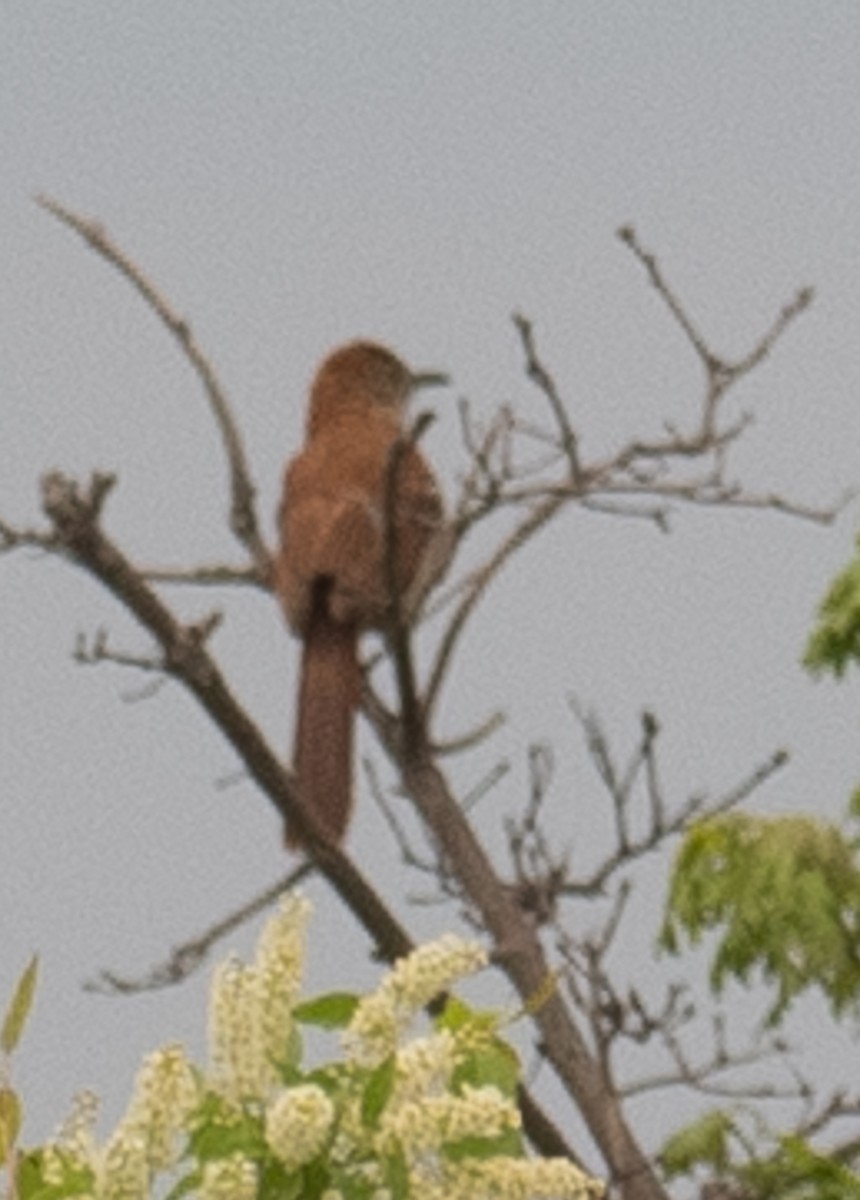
(703, 1143)
(332, 1011)
(377, 1092)
(798, 1170)
(10, 1122)
(835, 642)
(783, 895)
(19, 1007)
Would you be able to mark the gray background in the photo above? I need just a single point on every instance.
(293, 175)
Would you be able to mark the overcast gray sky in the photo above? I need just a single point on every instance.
(294, 175)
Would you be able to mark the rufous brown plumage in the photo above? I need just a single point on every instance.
(359, 514)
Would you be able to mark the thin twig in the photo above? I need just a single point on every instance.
(187, 957)
(206, 576)
(540, 375)
(243, 517)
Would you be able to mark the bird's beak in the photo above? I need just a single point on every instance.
(423, 379)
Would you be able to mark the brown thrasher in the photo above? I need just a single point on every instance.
(359, 513)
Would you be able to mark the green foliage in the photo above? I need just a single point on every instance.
(14, 1021)
(764, 1168)
(706, 1142)
(495, 1065)
(19, 1007)
(798, 1172)
(493, 1061)
(783, 894)
(67, 1178)
(377, 1091)
(835, 641)
(507, 1145)
(335, 1010)
(10, 1122)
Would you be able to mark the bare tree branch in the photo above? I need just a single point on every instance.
(243, 516)
(187, 957)
(539, 374)
(662, 825)
(74, 513)
(216, 575)
(523, 472)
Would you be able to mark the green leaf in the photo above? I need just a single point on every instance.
(19, 1007)
(10, 1122)
(835, 641)
(396, 1174)
(353, 1185)
(74, 1179)
(704, 1143)
(314, 1181)
(507, 1145)
(218, 1134)
(798, 1172)
(456, 1015)
(496, 1064)
(332, 1011)
(783, 896)
(29, 1175)
(377, 1091)
(289, 1062)
(277, 1184)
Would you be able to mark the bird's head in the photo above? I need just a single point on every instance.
(365, 372)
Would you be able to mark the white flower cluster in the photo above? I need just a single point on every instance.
(74, 1140)
(166, 1092)
(123, 1172)
(298, 1124)
(280, 962)
(420, 1111)
(238, 1065)
(524, 1179)
(424, 1067)
(233, 1178)
(146, 1139)
(250, 1008)
(429, 1124)
(382, 1017)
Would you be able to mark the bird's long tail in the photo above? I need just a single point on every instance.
(329, 693)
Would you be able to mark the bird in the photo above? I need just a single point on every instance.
(359, 516)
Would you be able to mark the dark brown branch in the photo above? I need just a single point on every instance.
(518, 951)
(243, 516)
(74, 513)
